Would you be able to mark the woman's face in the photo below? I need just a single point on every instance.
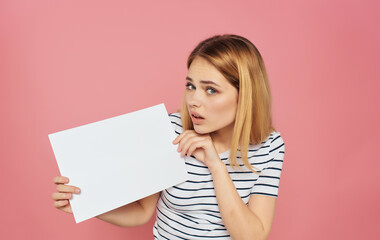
(211, 96)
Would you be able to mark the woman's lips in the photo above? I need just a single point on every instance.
(196, 117)
(193, 114)
(197, 120)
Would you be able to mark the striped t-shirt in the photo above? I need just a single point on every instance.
(190, 210)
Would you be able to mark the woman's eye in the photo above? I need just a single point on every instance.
(188, 85)
(211, 91)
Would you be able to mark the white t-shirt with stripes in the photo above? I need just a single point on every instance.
(190, 210)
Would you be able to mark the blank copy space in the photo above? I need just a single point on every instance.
(118, 160)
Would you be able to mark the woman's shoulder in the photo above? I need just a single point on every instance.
(175, 115)
(175, 119)
(275, 143)
(271, 146)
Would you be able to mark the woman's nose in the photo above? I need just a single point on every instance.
(194, 99)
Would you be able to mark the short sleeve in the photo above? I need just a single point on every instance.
(175, 119)
(269, 178)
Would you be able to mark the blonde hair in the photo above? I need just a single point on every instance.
(239, 61)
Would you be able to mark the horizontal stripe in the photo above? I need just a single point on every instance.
(268, 194)
(187, 218)
(255, 150)
(176, 124)
(268, 177)
(233, 180)
(249, 157)
(192, 197)
(177, 132)
(195, 204)
(209, 174)
(205, 196)
(199, 189)
(275, 138)
(190, 181)
(172, 115)
(272, 168)
(180, 215)
(244, 180)
(195, 165)
(213, 223)
(252, 164)
(190, 209)
(199, 229)
(199, 174)
(260, 155)
(192, 235)
(276, 148)
(263, 184)
(246, 172)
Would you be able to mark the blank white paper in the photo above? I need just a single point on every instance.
(118, 160)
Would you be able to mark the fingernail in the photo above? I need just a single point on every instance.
(77, 190)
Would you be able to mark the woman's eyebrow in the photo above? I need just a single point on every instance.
(203, 81)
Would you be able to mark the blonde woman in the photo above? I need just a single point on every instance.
(232, 152)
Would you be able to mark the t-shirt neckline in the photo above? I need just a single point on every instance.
(224, 154)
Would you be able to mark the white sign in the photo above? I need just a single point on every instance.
(118, 160)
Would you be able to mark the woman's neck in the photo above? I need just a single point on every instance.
(222, 139)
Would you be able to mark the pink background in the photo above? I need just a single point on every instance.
(68, 63)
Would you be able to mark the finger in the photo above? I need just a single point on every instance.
(179, 137)
(176, 140)
(68, 188)
(62, 203)
(66, 208)
(62, 196)
(182, 135)
(188, 142)
(193, 147)
(185, 144)
(60, 180)
(184, 139)
(181, 143)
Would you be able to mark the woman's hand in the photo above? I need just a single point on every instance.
(63, 194)
(199, 145)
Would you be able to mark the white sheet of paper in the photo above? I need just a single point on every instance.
(118, 160)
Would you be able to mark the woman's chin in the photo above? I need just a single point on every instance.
(200, 130)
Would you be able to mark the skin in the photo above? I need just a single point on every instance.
(218, 105)
(63, 194)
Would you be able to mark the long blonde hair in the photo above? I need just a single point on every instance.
(239, 61)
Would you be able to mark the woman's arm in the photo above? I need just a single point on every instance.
(133, 214)
(242, 222)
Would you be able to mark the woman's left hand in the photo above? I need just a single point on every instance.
(199, 145)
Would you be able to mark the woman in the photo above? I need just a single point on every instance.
(228, 194)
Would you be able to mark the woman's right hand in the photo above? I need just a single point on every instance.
(63, 194)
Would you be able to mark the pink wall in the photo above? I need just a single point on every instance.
(68, 63)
